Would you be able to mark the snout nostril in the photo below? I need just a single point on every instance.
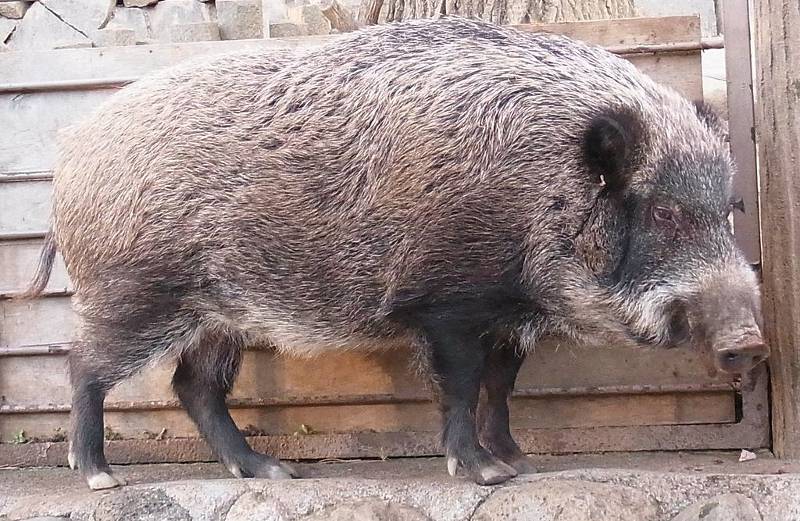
(739, 361)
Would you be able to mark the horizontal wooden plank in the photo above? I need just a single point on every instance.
(113, 62)
(335, 399)
(24, 206)
(552, 365)
(18, 260)
(680, 71)
(37, 322)
(549, 412)
(404, 444)
(265, 375)
(751, 432)
(626, 31)
(36, 118)
(127, 61)
(41, 380)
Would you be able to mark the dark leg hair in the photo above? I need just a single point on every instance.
(204, 376)
(135, 318)
(457, 360)
(503, 364)
(95, 367)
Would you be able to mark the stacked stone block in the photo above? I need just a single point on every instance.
(60, 24)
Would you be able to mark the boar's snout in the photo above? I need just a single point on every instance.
(726, 319)
(742, 354)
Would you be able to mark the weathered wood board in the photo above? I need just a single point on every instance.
(379, 392)
(24, 206)
(600, 396)
(35, 117)
(777, 120)
(626, 31)
(33, 120)
(268, 377)
(132, 61)
(18, 259)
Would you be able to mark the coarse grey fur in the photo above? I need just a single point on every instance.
(436, 182)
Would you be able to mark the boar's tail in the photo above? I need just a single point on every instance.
(43, 270)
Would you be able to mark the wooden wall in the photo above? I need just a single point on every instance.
(777, 33)
(568, 398)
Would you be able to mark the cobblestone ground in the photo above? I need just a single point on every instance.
(625, 487)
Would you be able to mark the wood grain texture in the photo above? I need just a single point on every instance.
(267, 376)
(778, 133)
(555, 412)
(626, 31)
(24, 206)
(291, 390)
(135, 60)
(18, 261)
(558, 422)
(496, 11)
(739, 73)
(747, 433)
(340, 17)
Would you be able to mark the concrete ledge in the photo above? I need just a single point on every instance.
(419, 489)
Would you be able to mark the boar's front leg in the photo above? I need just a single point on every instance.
(458, 359)
(499, 376)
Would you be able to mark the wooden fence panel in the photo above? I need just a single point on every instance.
(568, 398)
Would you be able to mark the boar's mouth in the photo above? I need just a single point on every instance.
(679, 330)
(733, 349)
(724, 325)
(664, 325)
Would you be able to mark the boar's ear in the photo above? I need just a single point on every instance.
(611, 146)
(711, 118)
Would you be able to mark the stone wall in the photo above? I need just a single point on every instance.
(58, 24)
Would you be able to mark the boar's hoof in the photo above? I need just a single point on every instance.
(103, 480)
(489, 472)
(523, 465)
(73, 463)
(493, 474)
(280, 471)
(260, 466)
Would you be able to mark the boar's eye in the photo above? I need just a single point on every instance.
(665, 217)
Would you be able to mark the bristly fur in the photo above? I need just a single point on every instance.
(444, 183)
(258, 193)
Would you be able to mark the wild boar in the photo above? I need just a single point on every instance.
(447, 184)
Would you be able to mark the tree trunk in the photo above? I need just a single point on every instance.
(496, 11)
(339, 16)
(777, 33)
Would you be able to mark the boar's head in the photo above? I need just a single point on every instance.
(660, 234)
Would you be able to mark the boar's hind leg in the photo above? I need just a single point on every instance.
(457, 360)
(94, 368)
(204, 376)
(502, 366)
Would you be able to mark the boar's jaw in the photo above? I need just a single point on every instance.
(657, 317)
(718, 311)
